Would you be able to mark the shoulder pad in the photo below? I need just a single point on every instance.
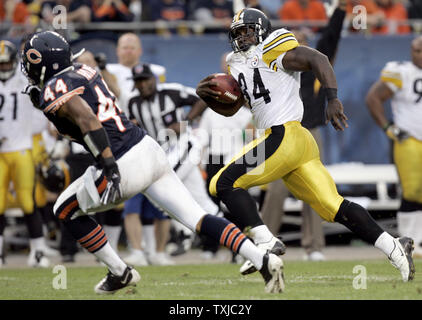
(391, 74)
(58, 90)
(277, 43)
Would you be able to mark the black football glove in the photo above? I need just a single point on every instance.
(113, 190)
(395, 133)
(101, 60)
(34, 94)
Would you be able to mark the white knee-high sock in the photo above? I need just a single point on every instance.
(107, 255)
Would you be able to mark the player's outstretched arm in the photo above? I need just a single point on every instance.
(377, 95)
(304, 58)
(77, 110)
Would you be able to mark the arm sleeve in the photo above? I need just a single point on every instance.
(328, 42)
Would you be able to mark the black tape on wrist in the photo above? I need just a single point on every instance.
(97, 141)
(389, 123)
(331, 93)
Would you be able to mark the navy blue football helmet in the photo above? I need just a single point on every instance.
(249, 27)
(45, 54)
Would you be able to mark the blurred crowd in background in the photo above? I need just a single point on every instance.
(383, 16)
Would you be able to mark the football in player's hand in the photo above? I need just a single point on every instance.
(231, 97)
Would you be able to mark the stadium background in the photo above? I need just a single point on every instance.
(359, 61)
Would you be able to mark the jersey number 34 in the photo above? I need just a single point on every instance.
(259, 90)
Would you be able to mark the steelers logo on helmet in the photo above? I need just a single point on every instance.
(55, 176)
(44, 55)
(8, 60)
(249, 27)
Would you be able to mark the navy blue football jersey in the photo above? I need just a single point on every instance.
(87, 82)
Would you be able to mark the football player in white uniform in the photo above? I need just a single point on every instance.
(129, 52)
(401, 82)
(267, 66)
(16, 163)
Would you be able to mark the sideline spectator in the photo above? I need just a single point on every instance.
(374, 16)
(110, 10)
(76, 11)
(168, 10)
(16, 12)
(302, 10)
(214, 11)
(414, 9)
(395, 13)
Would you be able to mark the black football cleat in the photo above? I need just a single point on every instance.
(111, 283)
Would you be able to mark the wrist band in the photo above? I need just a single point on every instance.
(387, 125)
(331, 93)
(96, 141)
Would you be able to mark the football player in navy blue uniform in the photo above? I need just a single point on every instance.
(76, 100)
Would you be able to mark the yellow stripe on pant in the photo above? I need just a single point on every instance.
(17, 167)
(289, 152)
(408, 160)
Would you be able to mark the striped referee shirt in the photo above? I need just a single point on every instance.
(163, 109)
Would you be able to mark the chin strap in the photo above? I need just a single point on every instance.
(78, 54)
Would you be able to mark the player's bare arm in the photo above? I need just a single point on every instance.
(197, 109)
(78, 111)
(111, 81)
(307, 59)
(378, 94)
(203, 88)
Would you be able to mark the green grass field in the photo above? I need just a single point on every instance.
(304, 281)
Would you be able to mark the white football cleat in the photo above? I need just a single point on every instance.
(160, 259)
(37, 259)
(275, 246)
(50, 252)
(111, 283)
(136, 258)
(314, 256)
(272, 272)
(401, 257)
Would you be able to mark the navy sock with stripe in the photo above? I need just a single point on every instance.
(92, 237)
(230, 236)
(223, 231)
(87, 232)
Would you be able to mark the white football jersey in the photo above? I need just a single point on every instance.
(16, 112)
(405, 80)
(39, 121)
(271, 91)
(224, 135)
(122, 74)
